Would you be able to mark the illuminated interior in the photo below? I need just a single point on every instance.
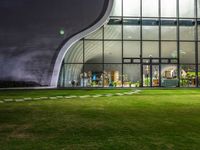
(146, 43)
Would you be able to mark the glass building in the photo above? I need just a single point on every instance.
(145, 43)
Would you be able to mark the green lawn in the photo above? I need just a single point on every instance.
(153, 119)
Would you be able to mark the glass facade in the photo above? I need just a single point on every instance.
(146, 43)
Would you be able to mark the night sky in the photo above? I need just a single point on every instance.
(30, 38)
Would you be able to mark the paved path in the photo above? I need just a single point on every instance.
(69, 97)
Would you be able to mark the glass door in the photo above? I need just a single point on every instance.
(155, 75)
(150, 75)
(147, 75)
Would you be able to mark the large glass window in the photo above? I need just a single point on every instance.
(117, 8)
(199, 75)
(188, 76)
(199, 31)
(187, 33)
(187, 52)
(71, 75)
(168, 8)
(150, 8)
(186, 8)
(169, 49)
(75, 53)
(168, 29)
(169, 76)
(113, 52)
(198, 8)
(93, 52)
(150, 75)
(112, 75)
(199, 53)
(131, 8)
(93, 75)
(131, 32)
(150, 32)
(113, 32)
(150, 49)
(187, 30)
(131, 49)
(131, 75)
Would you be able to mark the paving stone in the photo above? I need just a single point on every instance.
(59, 97)
(28, 99)
(97, 96)
(8, 100)
(73, 96)
(119, 94)
(67, 97)
(108, 95)
(44, 98)
(52, 98)
(19, 100)
(129, 93)
(36, 99)
(126, 93)
(70, 97)
(137, 91)
(133, 92)
(84, 96)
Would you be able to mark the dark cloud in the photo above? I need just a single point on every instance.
(29, 34)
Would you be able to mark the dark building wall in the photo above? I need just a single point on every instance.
(30, 34)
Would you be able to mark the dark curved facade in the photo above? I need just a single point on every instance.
(32, 33)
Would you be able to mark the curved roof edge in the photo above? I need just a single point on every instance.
(74, 39)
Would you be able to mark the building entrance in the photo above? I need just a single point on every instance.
(150, 75)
